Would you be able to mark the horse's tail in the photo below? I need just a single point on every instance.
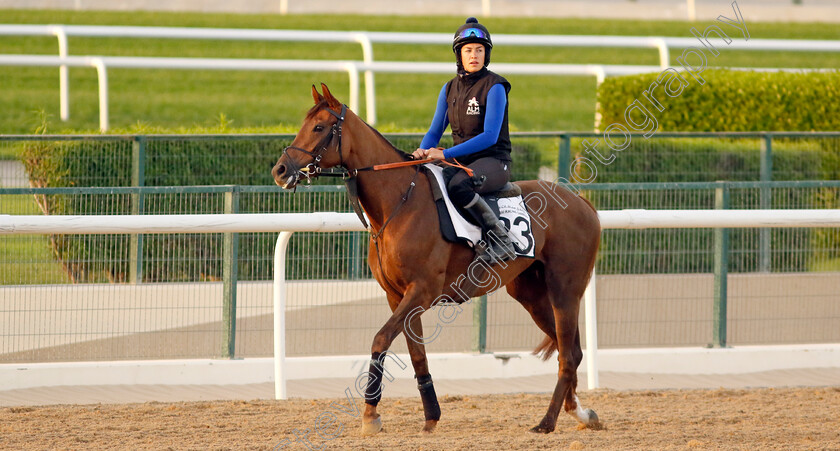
(546, 349)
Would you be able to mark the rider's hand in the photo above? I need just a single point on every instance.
(420, 154)
(436, 153)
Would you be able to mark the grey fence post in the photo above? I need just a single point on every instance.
(230, 270)
(766, 200)
(138, 179)
(720, 268)
(356, 259)
(480, 324)
(564, 157)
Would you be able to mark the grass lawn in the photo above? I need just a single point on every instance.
(26, 259)
(832, 265)
(405, 102)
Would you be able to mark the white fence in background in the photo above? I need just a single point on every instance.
(288, 223)
(366, 40)
(102, 63)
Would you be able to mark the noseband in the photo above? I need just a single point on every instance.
(313, 168)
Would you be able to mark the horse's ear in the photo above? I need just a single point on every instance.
(332, 102)
(316, 95)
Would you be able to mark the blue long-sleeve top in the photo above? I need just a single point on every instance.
(493, 116)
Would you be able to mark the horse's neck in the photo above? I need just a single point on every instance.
(380, 192)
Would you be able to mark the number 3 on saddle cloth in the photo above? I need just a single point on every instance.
(506, 203)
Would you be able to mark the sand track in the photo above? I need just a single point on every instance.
(783, 419)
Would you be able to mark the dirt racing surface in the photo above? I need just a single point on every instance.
(778, 419)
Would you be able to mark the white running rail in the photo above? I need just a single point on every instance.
(288, 223)
(352, 68)
(367, 38)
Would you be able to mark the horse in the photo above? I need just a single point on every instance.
(405, 232)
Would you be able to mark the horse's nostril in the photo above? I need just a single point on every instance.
(280, 170)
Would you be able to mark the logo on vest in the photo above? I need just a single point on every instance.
(472, 107)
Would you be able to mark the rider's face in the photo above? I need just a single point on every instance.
(472, 57)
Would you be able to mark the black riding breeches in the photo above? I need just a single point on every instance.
(489, 175)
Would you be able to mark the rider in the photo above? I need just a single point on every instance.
(475, 104)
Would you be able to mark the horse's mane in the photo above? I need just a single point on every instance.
(400, 153)
(323, 104)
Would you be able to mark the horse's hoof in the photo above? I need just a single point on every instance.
(429, 427)
(371, 427)
(540, 429)
(592, 421)
(593, 417)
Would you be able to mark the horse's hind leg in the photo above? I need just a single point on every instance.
(565, 302)
(530, 290)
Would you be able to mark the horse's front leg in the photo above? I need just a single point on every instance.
(415, 296)
(417, 349)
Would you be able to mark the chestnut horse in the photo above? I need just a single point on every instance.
(405, 232)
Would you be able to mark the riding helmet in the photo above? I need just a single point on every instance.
(472, 31)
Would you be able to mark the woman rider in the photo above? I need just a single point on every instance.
(474, 104)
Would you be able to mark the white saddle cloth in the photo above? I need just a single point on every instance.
(463, 228)
(512, 213)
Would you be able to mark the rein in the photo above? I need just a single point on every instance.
(313, 169)
(401, 164)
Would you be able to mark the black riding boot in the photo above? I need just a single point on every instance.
(499, 245)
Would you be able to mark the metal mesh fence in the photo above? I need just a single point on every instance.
(70, 297)
(108, 297)
(656, 287)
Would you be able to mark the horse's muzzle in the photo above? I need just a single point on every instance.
(285, 176)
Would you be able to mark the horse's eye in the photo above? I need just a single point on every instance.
(319, 128)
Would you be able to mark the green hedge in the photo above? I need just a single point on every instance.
(185, 161)
(710, 159)
(731, 101)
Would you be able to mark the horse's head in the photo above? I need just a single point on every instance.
(318, 143)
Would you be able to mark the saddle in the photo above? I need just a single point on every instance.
(506, 203)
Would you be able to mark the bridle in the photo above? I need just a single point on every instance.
(313, 169)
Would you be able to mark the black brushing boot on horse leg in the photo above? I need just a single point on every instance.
(431, 408)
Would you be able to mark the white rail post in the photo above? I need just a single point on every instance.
(280, 315)
(284, 7)
(692, 11)
(102, 74)
(353, 73)
(591, 322)
(664, 56)
(485, 8)
(599, 73)
(63, 73)
(370, 85)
